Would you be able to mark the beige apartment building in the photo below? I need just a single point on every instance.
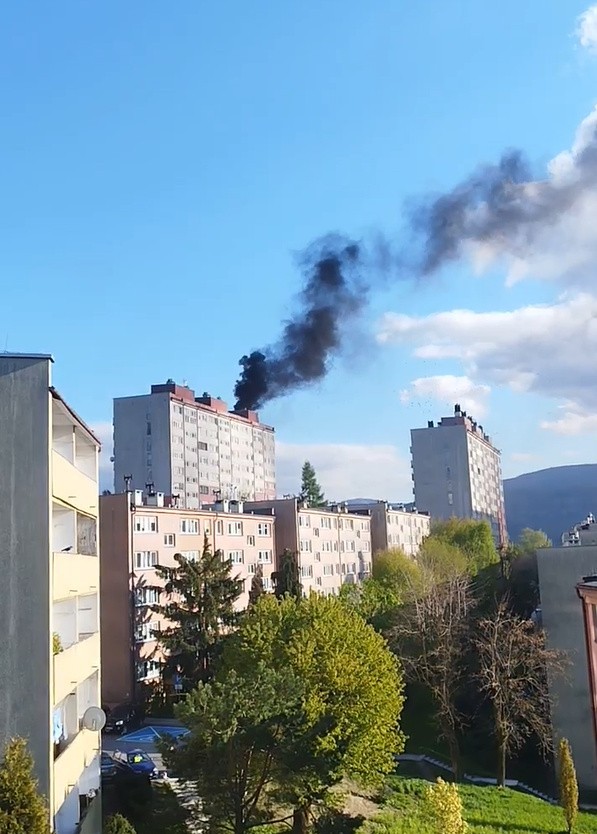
(140, 532)
(192, 447)
(394, 526)
(333, 545)
(49, 613)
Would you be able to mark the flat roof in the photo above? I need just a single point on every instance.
(10, 355)
(74, 415)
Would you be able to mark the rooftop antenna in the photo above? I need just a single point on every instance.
(127, 482)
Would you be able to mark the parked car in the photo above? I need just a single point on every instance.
(138, 761)
(108, 766)
(122, 719)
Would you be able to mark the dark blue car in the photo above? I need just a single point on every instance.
(108, 766)
(138, 761)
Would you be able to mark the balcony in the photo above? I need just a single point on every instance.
(75, 664)
(71, 764)
(74, 575)
(74, 487)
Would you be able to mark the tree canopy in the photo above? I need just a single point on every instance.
(200, 607)
(22, 809)
(529, 540)
(287, 579)
(311, 492)
(305, 694)
(473, 538)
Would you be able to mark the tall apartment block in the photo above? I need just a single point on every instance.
(140, 532)
(333, 545)
(394, 526)
(457, 472)
(49, 613)
(192, 447)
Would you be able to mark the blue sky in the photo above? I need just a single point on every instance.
(163, 164)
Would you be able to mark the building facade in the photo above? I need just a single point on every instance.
(457, 472)
(394, 526)
(49, 616)
(333, 545)
(140, 533)
(192, 447)
(561, 570)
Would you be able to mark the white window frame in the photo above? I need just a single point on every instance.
(237, 557)
(192, 523)
(146, 524)
(146, 559)
(264, 529)
(265, 557)
(169, 540)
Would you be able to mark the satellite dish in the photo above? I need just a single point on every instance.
(94, 719)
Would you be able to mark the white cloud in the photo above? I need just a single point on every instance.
(586, 30)
(346, 470)
(574, 421)
(545, 349)
(103, 432)
(448, 389)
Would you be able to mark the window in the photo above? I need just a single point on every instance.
(316, 531)
(146, 559)
(267, 583)
(237, 557)
(366, 546)
(251, 540)
(306, 571)
(251, 568)
(146, 524)
(190, 555)
(350, 547)
(328, 570)
(220, 527)
(265, 557)
(304, 521)
(203, 490)
(263, 529)
(318, 556)
(145, 632)
(326, 522)
(318, 580)
(169, 539)
(148, 669)
(235, 528)
(147, 596)
(189, 525)
(305, 546)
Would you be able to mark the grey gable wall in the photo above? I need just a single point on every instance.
(25, 652)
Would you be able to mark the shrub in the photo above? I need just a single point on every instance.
(445, 808)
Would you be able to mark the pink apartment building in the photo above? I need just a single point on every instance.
(333, 545)
(138, 533)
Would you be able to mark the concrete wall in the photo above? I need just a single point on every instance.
(560, 569)
(133, 447)
(25, 647)
(441, 469)
(116, 626)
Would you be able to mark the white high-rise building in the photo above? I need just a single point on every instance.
(192, 447)
(457, 472)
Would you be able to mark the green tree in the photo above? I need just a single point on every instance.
(117, 824)
(22, 809)
(473, 538)
(529, 541)
(201, 608)
(287, 580)
(568, 784)
(238, 723)
(310, 489)
(342, 662)
(396, 572)
(374, 601)
(445, 806)
(257, 588)
(441, 561)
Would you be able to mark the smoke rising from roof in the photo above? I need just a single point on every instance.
(499, 210)
(332, 296)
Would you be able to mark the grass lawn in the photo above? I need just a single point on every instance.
(486, 810)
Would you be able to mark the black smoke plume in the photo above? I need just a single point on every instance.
(332, 295)
(499, 205)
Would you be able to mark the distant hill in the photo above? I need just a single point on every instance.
(550, 499)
